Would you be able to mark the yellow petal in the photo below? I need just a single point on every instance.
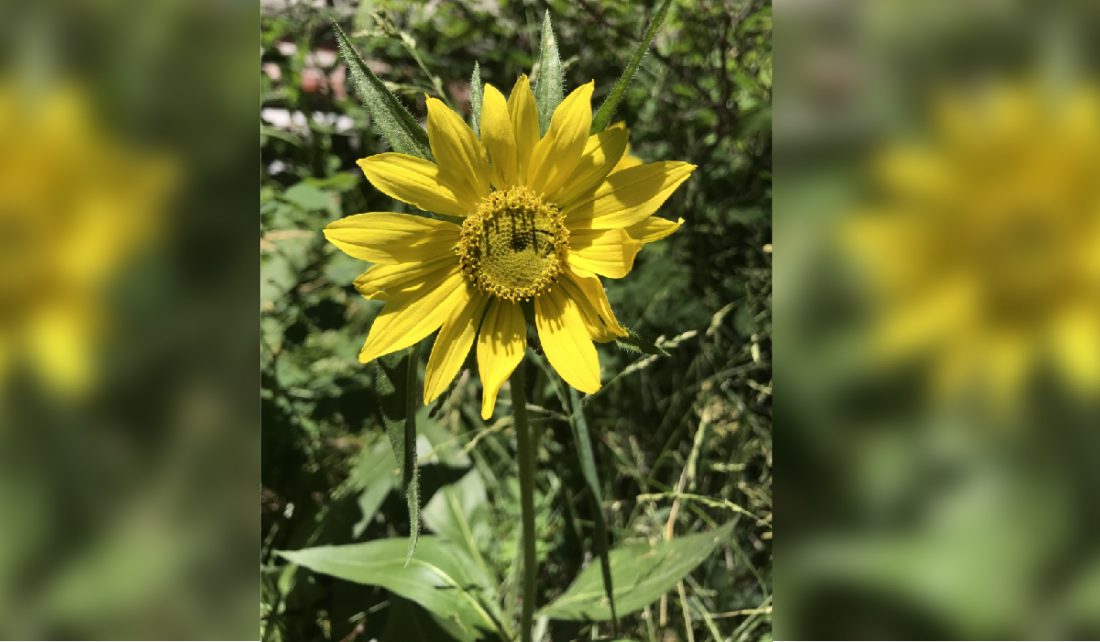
(558, 153)
(629, 196)
(411, 315)
(608, 253)
(498, 137)
(589, 294)
(384, 279)
(61, 342)
(627, 161)
(452, 344)
(417, 182)
(601, 153)
(457, 150)
(653, 229)
(525, 122)
(500, 346)
(566, 341)
(385, 237)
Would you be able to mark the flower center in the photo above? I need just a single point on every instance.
(513, 246)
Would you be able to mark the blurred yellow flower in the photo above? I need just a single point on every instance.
(984, 256)
(538, 218)
(73, 205)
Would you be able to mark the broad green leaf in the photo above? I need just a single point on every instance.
(607, 109)
(395, 387)
(642, 574)
(441, 578)
(393, 121)
(459, 512)
(548, 84)
(476, 90)
(592, 478)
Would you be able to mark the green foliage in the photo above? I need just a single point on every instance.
(391, 118)
(548, 81)
(642, 574)
(475, 99)
(441, 578)
(701, 297)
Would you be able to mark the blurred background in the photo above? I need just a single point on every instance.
(939, 302)
(128, 433)
(697, 421)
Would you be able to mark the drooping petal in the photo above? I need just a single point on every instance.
(417, 182)
(601, 153)
(452, 344)
(566, 341)
(499, 137)
(385, 237)
(500, 346)
(412, 314)
(525, 123)
(383, 279)
(557, 154)
(653, 229)
(589, 294)
(629, 196)
(608, 253)
(457, 150)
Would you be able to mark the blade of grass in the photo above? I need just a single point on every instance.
(591, 476)
(607, 109)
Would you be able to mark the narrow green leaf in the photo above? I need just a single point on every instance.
(603, 115)
(548, 83)
(642, 574)
(441, 578)
(395, 123)
(634, 342)
(475, 99)
(591, 476)
(395, 387)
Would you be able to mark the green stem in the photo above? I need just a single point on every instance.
(527, 498)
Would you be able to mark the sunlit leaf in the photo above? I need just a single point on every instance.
(441, 577)
(475, 99)
(642, 573)
(548, 83)
(390, 117)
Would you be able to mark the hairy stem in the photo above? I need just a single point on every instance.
(527, 498)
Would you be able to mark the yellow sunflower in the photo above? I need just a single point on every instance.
(75, 204)
(537, 220)
(985, 254)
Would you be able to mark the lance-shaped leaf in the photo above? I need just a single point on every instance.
(390, 117)
(548, 84)
(476, 90)
(604, 114)
(395, 386)
(441, 578)
(642, 574)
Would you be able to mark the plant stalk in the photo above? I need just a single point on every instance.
(527, 498)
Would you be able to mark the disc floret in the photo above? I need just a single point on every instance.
(514, 245)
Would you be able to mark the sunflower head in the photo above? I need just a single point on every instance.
(514, 245)
(541, 217)
(986, 248)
